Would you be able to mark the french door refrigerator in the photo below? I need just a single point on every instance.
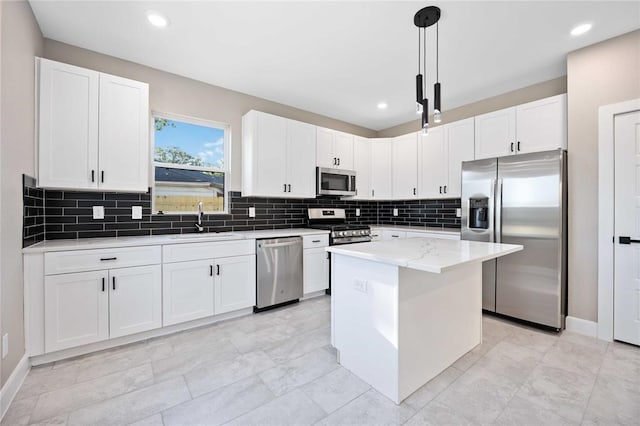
(520, 199)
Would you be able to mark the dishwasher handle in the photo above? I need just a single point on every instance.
(274, 245)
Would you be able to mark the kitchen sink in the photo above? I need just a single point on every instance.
(208, 236)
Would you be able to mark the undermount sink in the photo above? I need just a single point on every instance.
(208, 236)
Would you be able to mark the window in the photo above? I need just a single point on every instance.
(190, 158)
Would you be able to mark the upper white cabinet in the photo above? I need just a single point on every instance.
(459, 147)
(405, 166)
(278, 156)
(334, 149)
(93, 130)
(381, 174)
(362, 167)
(535, 126)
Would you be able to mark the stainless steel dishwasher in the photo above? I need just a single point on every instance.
(278, 272)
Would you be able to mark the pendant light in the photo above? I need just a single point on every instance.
(423, 19)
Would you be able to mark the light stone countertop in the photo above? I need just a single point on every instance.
(115, 242)
(432, 230)
(426, 254)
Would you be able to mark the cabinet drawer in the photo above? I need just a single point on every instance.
(197, 251)
(94, 260)
(310, 241)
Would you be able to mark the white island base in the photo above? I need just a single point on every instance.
(412, 324)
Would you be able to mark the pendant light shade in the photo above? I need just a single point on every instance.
(437, 116)
(423, 19)
(425, 116)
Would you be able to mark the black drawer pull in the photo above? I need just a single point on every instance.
(217, 269)
(627, 240)
(315, 241)
(102, 259)
(103, 284)
(114, 283)
(518, 146)
(102, 176)
(93, 175)
(210, 270)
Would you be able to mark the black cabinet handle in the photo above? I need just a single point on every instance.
(102, 259)
(103, 284)
(511, 147)
(93, 175)
(102, 176)
(338, 161)
(441, 190)
(414, 191)
(445, 189)
(217, 269)
(210, 270)
(285, 187)
(335, 161)
(373, 192)
(627, 240)
(289, 185)
(315, 241)
(518, 146)
(114, 283)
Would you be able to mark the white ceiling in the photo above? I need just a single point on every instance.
(340, 59)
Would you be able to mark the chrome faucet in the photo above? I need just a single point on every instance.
(199, 226)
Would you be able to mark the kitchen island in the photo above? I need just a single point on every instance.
(402, 311)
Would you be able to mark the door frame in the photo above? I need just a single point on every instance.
(606, 211)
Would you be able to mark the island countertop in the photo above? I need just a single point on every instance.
(426, 254)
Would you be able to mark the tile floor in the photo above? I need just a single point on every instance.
(277, 368)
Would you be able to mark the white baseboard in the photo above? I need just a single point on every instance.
(13, 384)
(582, 326)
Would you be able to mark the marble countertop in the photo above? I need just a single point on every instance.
(426, 254)
(114, 242)
(433, 230)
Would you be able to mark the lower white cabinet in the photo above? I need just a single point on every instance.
(235, 283)
(316, 270)
(88, 307)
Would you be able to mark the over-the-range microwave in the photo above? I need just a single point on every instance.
(335, 182)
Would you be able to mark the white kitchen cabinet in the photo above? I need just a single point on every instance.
(334, 149)
(381, 174)
(234, 283)
(532, 127)
(76, 309)
(93, 130)
(405, 166)
(315, 263)
(432, 160)
(362, 167)
(278, 157)
(187, 290)
(460, 147)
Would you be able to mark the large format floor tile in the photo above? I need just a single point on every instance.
(278, 368)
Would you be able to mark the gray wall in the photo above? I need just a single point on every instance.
(21, 40)
(171, 93)
(526, 94)
(601, 74)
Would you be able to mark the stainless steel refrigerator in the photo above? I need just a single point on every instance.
(521, 199)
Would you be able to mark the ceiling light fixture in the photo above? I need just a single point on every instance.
(580, 29)
(382, 105)
(423, 19)
(157, 19)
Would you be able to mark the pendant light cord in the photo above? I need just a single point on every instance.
(419, 47)
(424, 58)
(437, 54)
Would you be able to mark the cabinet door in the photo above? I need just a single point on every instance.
(325, 157)
(460, 147)
(495, 133)
(343, 150)
(315, 266)
(381, 175)
(76, 309)
(124, 134)
(135, 300)
(362, 167)
(432, 158)
(393, 235)
(301, 159)
(271, 160)
(187, 291)
(235, 283)
(68, 126)
(405, 166)
(542, 125)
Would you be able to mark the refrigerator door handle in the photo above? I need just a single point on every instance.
(492, 204)
(498, 207)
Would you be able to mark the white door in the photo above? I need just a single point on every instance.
(135, 300)
(381, 175)
(460, 146)
(325, 156)
(542, 125)
(124, 134)
(68, 126)
(432, 158)
(187, 291)
(496, 134)
(343, 149)
(626, 319)
(405, 166)
(235, 283)
(270, 150)
(76, 309)
(301, 159)
(315, 266)
(362, 167)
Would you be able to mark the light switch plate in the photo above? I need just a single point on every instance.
(252, 212)
(357, 212)
(98, 212)
(360, 285)
(458, 212)
(395, 212)
(136, 212)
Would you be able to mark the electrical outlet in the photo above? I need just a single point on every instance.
(98, 212)
(360, 285)
(5, 345)
(395, 212)
(458, 212)
(136, 212)
(357, 212)
(252, 212)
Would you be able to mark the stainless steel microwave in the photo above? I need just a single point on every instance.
(335, 182)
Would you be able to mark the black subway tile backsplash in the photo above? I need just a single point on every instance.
(33, 227)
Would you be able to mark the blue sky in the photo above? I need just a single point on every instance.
(204, 142)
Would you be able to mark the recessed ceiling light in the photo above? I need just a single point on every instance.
(580, 29)
(157, 19)
(382, 105)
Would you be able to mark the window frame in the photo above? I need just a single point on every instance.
(226, 170)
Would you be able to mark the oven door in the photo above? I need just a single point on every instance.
(335, 182)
